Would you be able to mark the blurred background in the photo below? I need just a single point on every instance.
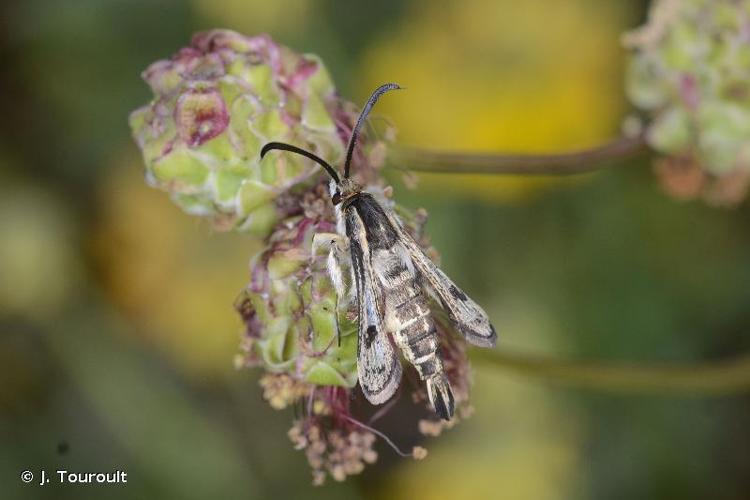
(117, 331)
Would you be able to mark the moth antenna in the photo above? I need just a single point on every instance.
(294, 149)
(360, 121)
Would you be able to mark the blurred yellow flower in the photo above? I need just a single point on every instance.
(529, 76)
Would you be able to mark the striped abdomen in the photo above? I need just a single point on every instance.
(412, 326)
(408, 318)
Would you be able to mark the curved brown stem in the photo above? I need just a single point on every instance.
(731, 376)
(575, 162)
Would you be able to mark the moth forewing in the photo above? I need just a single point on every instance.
(378, 365)
(465, 314)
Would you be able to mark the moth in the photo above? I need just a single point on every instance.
(391, 276)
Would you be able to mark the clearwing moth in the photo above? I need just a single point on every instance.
(391, 273)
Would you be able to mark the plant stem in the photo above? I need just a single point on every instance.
(730, 376)
(575, 162)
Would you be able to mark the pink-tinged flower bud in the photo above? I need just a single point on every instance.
(215, 104)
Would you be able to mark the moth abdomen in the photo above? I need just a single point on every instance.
(410, 320)
(419, 341)
(441, 396)
(429, 366)
(408, 317)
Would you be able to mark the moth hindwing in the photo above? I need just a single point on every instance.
(391, 274)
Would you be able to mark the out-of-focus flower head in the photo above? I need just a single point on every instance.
(216, 103)
(690, 74)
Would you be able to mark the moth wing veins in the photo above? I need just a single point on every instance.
(378, 364)
(465, 314)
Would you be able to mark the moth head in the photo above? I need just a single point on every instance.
(344, 190)
(335, 192)
(340, 189)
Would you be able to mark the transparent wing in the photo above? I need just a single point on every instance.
(466, 315)
(378, 365)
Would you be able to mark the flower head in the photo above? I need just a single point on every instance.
(215, 104)
(690, 74)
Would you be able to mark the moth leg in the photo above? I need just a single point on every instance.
(337, 247)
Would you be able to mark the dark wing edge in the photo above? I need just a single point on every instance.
(378, 364)
(465, 314)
